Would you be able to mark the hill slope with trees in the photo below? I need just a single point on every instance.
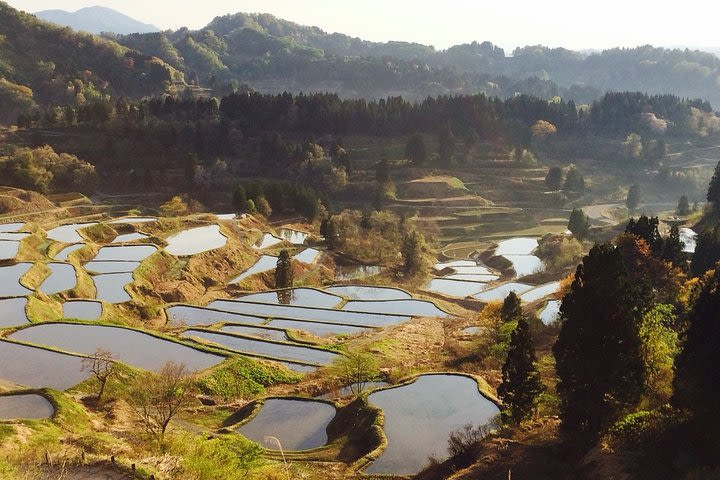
(41, 63)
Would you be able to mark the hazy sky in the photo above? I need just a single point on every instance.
(508, 23)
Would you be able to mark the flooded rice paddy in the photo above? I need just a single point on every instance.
(12, 312)
(297, 424)
(26, 406)
(420, 417)
(195, 240)
(129, 346)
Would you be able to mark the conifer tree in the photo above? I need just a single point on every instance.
(415, 150)
(633, 197)
(511, 308)
(598, 352)
(696, 368)
(713, 193)
(683, 207)
(521, 383)
(673, 249)
(647, 228)
(707, 251)
(554, 178)
(446, 146)
(283, 271)
(579, 224)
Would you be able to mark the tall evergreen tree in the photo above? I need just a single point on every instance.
(713, 193)
(574, 181)
(633, 197)
(412, 250)
(284, 271)
(697, 374)
(579, 224)
(598, 356)
(683, 207)
(673, 249)
(521, 383)
(554, 178)
(511, 308)
(415, 150)
(707, 251)
(647, 228)
(239, 198)
(446, 146)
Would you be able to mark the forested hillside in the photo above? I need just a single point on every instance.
(42, 64)
(274, 55)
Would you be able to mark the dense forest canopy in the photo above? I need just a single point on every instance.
(41, 63)
(44, 64)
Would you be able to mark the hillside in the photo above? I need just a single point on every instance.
(41, 63)
(272, 54)
(96, 20)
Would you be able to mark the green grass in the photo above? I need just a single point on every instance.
(242, 377)
(38, 310)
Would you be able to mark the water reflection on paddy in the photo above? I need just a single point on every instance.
(82, 309)
(361, 319)
(12, 312)
(455, 288)
(420, 417)
(298, 424)
(9, 249)
(305, 297)
(415, 308)
(196, 316)
(130, 346)
(10, 280)
(29, 406)
(38, 368)
(65, 252)
(128, 253)
(502, 291)
(195, 240)
(110, 287)
(62, 277)
(262, 348)
(68, 233)
(364, 292)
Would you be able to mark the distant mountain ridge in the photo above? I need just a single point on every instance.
(97, 20)
(272, 54)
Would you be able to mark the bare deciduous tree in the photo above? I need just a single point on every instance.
(157, 397)
(101, 365)
(355, 369)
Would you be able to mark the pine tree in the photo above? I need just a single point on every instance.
(697, 375)
(598, 352)
(579, 224)
(713, 193)
(283, 271)
(647, 228)
(574, 181)
(633, 197)
(511, 308)
(446, 146)
(554, 178)
(415, 150)
(412, 252)
(673, 249)
(707, 251)
(521, 383)
(239, 199)
(683, 207)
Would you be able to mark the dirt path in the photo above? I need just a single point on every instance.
(600, 213)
